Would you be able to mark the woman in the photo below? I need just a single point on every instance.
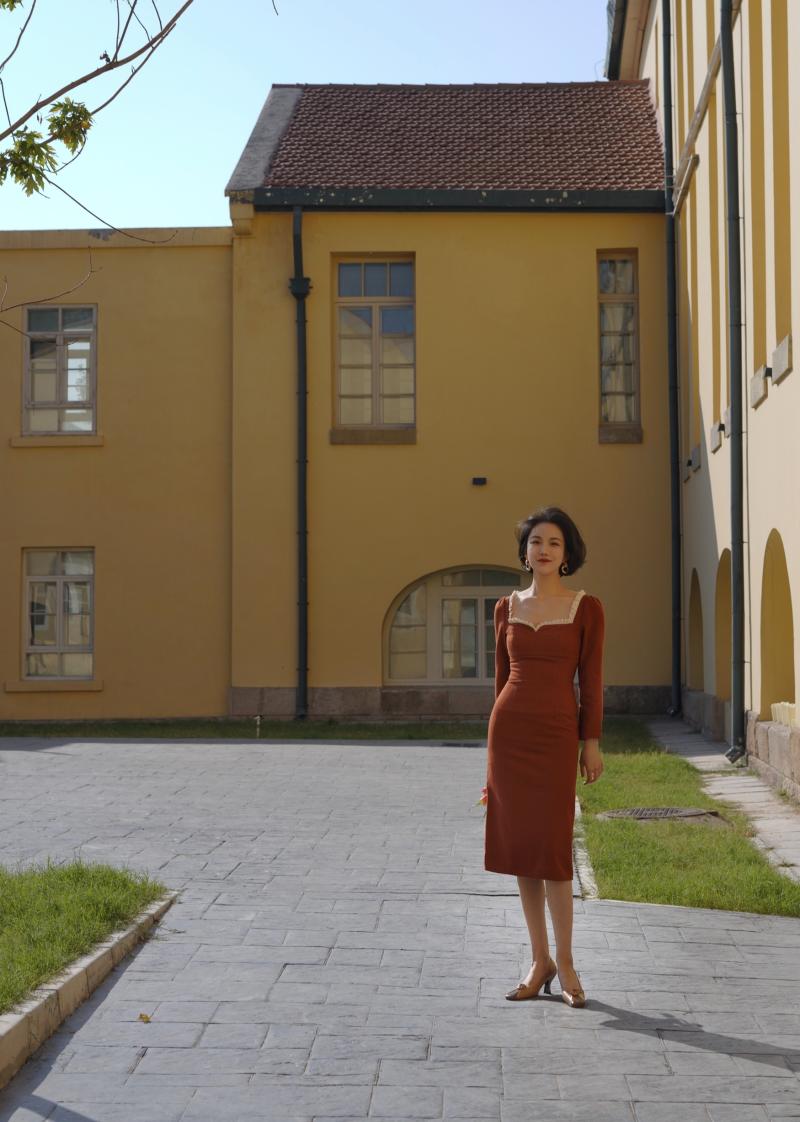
(543, 635)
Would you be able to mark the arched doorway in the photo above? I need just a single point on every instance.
(777, 629)
(695, 679)
(440, 630)
(722, 628)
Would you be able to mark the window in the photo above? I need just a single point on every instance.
(618, 298)
(59, 587)
(375, 343)
(442, 630)
(59, 370)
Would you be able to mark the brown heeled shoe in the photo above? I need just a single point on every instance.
(576, 999)
(525, 993)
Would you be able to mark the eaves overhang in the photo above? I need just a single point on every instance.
(344, 198)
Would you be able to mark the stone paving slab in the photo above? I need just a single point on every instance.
(338, 952)
(775, 819)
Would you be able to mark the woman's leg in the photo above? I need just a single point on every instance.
(532, 895)
(559, 901)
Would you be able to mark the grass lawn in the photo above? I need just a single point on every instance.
(245, 729)
(675, 862)
(51, 915)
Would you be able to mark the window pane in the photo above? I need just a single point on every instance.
(350, 280)
(616, 348)
(617, 378)
(488, 635)
(77, 420)
(412, 665)
(617, 407)
(356, 381)
(624, 276)
(397, 321)
(76, 318)
(41, 561)
(462, 576)
(499, 578)
(407, 640)
(77, 630)
(397, 379)
(606, 276)
(412, 609)
(77, 597)
(78, 369)
(43, 420)
(616, 317)
(44, 387)
(77, 665)
(77, 562)
(374, 280)
(355, 321)
(42, 665)
(43, 354)
(401, 279)
(42, 614)
(42, 319)
(398, 410)
(355, 410)
(355, 352)
(397, 351)
(459, 639)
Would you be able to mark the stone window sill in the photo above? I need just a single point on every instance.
(367, 435)
(620, 433)
(57, 440)
(54, 685)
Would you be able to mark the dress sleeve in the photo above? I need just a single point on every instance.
(590, 671)
(502, 665)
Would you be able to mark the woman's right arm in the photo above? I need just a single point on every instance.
(502, 665)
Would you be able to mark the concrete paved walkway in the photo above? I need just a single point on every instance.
(339, 953)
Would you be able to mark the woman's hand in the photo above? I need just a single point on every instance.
(591, 761)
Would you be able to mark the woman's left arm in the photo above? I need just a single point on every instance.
(590, 681)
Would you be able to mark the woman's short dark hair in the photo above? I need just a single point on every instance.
(574, 546)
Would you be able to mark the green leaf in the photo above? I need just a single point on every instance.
(10, 5)
(69, 122)
(27, 160)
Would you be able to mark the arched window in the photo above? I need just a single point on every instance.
(441, 629)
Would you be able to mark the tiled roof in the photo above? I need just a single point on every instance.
(581, 136)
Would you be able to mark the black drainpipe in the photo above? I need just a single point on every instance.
(299, 287)
(737, 748)
(672, 367)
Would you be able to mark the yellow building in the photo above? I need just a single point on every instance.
(737, 164)
(275, 468)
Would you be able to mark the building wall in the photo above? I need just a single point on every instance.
(507, 388)
(153, 497)
(766, 48)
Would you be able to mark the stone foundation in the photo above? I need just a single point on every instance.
(707, 713)
(404, 702)
(773, 750)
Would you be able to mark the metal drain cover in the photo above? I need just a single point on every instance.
(651, 813)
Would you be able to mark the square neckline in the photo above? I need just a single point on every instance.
(569, 618)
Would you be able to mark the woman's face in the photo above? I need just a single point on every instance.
(545, 551)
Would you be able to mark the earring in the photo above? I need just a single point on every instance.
(527, 565)
(564, 568)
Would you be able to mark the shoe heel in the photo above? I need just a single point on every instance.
(547, 986)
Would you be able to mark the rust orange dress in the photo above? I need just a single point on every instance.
(534, 729)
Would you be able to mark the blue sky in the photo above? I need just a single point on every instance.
(161, 154)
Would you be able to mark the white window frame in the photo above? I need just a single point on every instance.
(59, 580)
(61, 336)
(435, 593)
(375, 303)
(635, 423)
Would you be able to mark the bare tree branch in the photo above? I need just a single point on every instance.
(121, 38)
(41, 299)
(104, 69)
(19, 37)
(132, 4)
(158, 14)
(110, 225)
